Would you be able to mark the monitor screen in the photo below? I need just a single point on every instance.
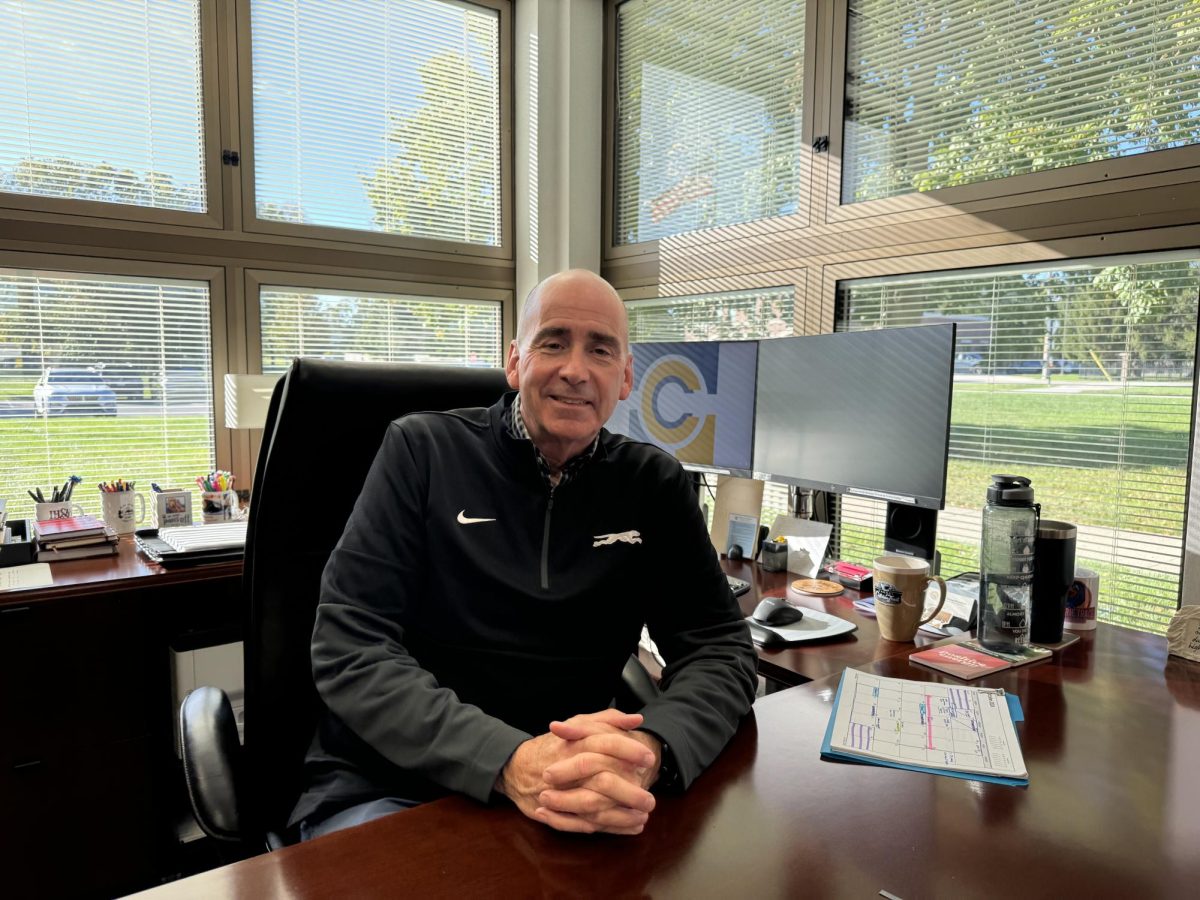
(863, 412)
(696, 401)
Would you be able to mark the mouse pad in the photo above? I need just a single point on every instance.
(815, 625)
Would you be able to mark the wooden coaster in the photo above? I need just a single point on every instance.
(816, 587)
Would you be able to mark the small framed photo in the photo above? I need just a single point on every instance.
(172, 508)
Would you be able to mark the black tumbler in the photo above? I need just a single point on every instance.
(1053, 573)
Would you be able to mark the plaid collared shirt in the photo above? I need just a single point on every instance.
(518, 431)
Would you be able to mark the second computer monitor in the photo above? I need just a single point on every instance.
(696, 401)
(864, 412)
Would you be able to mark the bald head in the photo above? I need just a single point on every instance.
(577, 284)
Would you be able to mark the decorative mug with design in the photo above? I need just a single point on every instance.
(117, 508)
(218, 506)
(900, 586)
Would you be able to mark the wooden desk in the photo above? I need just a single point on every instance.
(89, 782)
(1112, 810)
(801, 663)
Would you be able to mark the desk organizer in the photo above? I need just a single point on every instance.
(20, 548)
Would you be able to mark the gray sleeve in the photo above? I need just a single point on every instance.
(362, 670)
(710, 677)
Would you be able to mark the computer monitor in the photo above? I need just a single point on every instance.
(863, 412)
(696, 401)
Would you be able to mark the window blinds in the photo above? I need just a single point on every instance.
(708, 114)
(378, 115)
(734, 315)
(965, 91)
(1103, 432)
(101, 100)
(376, 328)
(103, 377)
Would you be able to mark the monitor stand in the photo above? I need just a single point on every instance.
(911, 531)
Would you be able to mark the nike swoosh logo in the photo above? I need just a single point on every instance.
(464, 519)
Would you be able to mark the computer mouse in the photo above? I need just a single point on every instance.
(776, 611)
(735, 551)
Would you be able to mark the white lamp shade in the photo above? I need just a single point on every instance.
(247, 398)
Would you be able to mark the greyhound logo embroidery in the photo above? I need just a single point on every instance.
(625, 537)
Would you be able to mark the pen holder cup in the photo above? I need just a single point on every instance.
(774, 556)
(218, 506)
(122, 510)
(63, 509)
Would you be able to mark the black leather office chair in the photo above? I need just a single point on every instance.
(324, 424)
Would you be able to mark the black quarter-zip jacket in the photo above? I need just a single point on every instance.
(467, 605)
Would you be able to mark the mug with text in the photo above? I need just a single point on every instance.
(63, 509)
(900, 586)
(117, 508)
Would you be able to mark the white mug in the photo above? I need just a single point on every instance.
(63, 509)
(218, 506)
(117, 508)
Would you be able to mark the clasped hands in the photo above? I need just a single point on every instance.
(587, 774)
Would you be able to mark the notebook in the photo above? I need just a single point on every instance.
(50, 530)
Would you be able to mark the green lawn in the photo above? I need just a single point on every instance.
(169, 451)
(1142, 610)
(1084, 433)
(17, 388)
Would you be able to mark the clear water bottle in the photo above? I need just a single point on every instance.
(1010, 521)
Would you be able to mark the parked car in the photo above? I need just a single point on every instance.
(1034, 367)
(80, 392)
(969, 363)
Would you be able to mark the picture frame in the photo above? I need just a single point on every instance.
(172, 508)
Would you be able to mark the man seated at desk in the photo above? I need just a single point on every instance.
(491, 582)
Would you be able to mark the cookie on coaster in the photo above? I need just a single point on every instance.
(817, 587)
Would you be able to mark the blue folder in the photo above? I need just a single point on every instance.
(827, 751)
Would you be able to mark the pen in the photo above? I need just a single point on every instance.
(34, 496)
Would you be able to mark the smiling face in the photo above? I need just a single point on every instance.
(570, 362)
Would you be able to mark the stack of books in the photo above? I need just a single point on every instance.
(78, 537)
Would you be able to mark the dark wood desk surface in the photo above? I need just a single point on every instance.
(800, 663)
(125, 571)
(1112, 810)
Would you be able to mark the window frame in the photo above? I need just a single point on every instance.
(214, 169)
(610, 249)
(251, 224)
(1101, 185)
(257, 279)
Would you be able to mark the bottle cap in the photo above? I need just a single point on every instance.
(1010, 490)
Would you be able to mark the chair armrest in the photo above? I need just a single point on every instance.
(211, 761)
(637, 687)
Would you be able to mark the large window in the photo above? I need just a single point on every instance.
(708, 114)
(942, 94)
(378, 115)
(374, 327)
(131, 399)
(101, 100)
(1079, 376)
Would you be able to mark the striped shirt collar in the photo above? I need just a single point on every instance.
(518, 431)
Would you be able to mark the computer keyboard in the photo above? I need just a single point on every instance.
(738, 586)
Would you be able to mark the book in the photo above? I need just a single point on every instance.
(50, 530)
(53, 554)
(940, 729)
(970, 659)
(109, 536)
